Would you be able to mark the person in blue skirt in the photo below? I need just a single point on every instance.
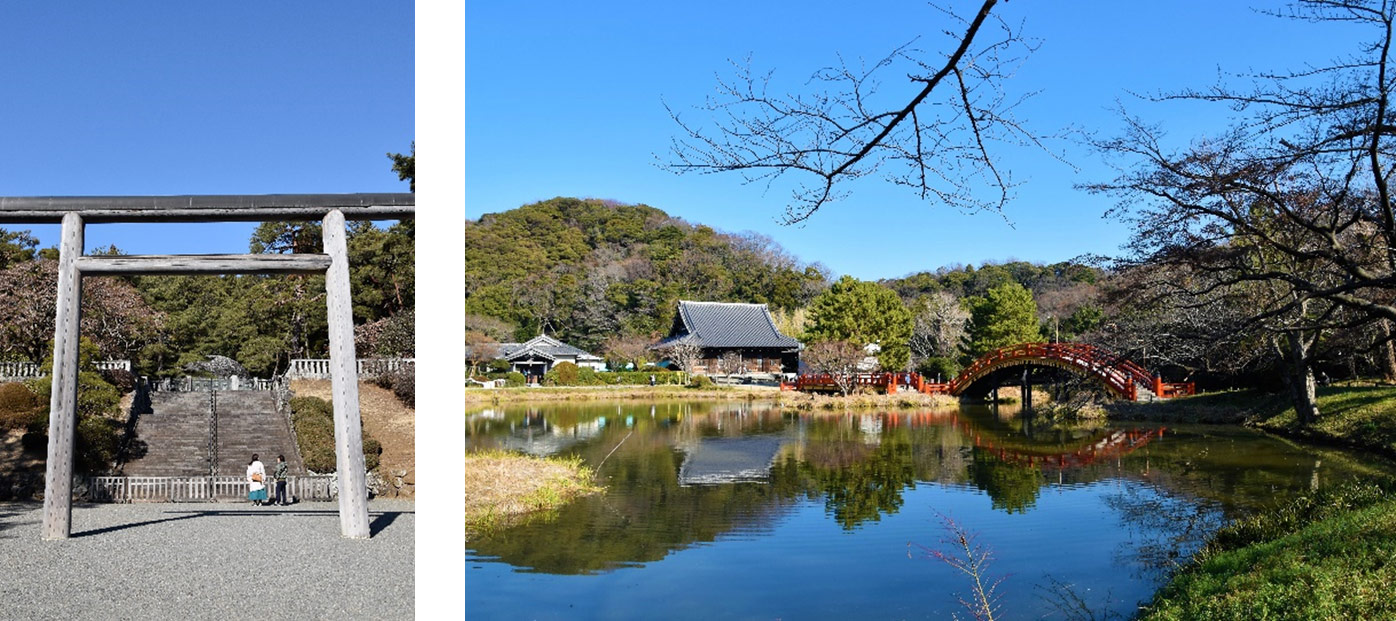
(256, 481)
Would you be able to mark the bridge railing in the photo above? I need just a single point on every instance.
(1168, 390)
(1119, 374)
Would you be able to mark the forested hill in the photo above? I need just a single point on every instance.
(596, 272)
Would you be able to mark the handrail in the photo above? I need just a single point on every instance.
(1119, 374)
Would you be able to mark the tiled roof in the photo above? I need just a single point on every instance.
(727, 324)
(543, 346)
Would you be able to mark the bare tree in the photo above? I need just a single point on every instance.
(938, 326)
(479, 349)
(685, 354)
(731, 363)
(622, 349)
(1290, 208)
(838, 359)
(933, 139)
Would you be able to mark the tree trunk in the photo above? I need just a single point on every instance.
(1301, 379)
(1388, 350)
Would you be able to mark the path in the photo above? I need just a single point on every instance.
(194, 561)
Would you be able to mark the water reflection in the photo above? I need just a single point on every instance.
(681, 475)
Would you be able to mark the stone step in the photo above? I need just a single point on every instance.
(176, 434)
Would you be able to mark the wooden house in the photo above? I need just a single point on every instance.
(722, 328)
(543, 352)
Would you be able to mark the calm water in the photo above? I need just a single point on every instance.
(735, 511)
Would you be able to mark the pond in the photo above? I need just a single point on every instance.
(740, 511)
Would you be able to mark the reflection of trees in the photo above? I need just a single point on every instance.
(645, 516)
(1164, 529)
(1011, 487)
(859, 481)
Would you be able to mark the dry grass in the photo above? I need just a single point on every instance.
(617, 393)
(865, 401)
(387, 419)
(504, 488)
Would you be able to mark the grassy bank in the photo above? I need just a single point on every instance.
(1359, 417)
(1326, 556)
(1227, 407)
(1329, 555)
(504, 488)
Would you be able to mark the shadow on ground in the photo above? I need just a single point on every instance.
(381, 519)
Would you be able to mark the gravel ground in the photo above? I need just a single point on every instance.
(207, 561)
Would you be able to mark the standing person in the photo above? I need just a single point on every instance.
(280, 476)
(256, 481)
(651, 379)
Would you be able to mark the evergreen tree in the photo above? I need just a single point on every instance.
(864, 313)
(1006, 315)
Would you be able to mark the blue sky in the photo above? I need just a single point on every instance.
(566, 99)
(202, 98)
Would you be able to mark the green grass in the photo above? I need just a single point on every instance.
(1330, 556)
(1363, 417)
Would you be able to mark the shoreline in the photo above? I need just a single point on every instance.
(786, 400)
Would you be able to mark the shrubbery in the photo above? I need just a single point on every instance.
(403, 383)
(565, 374)
(585, 376)
(98, 434)
(313, 419)
(701, 381)
(98, 440)
(19, 406)
(514, 378)
(123, 380)
(498, 367)
(944, 368)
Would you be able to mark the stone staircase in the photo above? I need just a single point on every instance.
(174, 434)
(179, 439)
(248, 423)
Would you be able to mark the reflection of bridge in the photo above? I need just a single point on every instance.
(1114, 443)
(1119, 375)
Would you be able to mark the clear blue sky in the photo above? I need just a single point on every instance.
(162, 98)
(565, 99)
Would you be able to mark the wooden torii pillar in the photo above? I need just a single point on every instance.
(332, 209)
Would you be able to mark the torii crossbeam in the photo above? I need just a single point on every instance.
(332, 209)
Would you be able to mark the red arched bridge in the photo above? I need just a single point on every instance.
(1119, 375)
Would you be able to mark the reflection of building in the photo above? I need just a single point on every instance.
(542, 352)
(722, 328)
(540, 438)
(729, 460)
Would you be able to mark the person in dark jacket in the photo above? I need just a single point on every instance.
(280, 476)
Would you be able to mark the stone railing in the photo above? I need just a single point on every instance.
(319, 368)
(19, 369)
(201, 384)
(27, 370)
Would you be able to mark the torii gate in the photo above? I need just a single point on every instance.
(76, 211)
